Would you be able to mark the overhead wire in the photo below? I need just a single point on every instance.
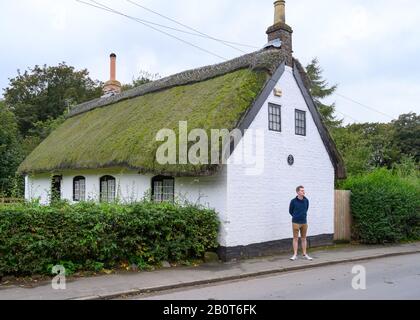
(111, 10)
(227, 43)
(365, 106)
(150, 24)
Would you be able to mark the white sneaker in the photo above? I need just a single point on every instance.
(294, 258)
(307, 257)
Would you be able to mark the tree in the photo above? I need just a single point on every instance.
(367, 146)
(379, 136)
(10, 149)
(408, 168)
(45, 93)
(320, 90)
(407, 134)
(355, 150)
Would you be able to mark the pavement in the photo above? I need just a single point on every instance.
(131, 284)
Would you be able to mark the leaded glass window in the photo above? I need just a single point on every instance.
(79, 189)
(300, 122)
(274, 117)
(163, 189)
(107, 189)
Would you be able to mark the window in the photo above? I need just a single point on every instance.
(300, 123)
(56, 188)
(163, 189)
(79, 189)
(274, 117)
(107, 189)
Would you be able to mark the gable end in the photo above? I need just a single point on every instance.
(252, 113)
(335, 157)
(256, 107)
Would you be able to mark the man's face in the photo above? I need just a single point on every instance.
(301, 192)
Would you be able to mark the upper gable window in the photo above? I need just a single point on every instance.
(79, 189)
(274, 117)
(300, 123)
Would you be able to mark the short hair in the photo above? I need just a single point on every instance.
(300, 187)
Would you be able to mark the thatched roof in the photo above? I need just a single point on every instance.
(267, 60)
(120, 131)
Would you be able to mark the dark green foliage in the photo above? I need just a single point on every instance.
(407, 134)
(379, 137)
(11, 153)
(89, 236)
(385, 207)
(354, 149)
(408, 168)
(35, 104)
(44, 93)
(367, 146)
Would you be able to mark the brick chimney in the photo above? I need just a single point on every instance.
(112, 86)
(281, 31)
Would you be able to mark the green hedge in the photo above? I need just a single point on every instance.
(91, 237)
(385, 207)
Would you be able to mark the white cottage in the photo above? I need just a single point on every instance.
(106, 149)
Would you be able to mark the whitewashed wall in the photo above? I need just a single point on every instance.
(258, 206)
(131, 186)
(38, 188)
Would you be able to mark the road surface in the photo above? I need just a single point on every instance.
(393, 278)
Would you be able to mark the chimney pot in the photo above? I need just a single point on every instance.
(113, 68)
(112, 86)
(280, 11)
(281, 31)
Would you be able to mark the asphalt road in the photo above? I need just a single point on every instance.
(392, 278)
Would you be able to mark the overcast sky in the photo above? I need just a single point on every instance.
(370, 48)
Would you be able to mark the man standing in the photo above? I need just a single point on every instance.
(298, 209)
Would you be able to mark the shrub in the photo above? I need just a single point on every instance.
(409, 169)
(89, 236)
(385, 207)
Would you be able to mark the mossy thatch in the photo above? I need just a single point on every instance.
(266, 59)
(124, 134)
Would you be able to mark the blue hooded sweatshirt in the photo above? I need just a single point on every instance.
(299, 210)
